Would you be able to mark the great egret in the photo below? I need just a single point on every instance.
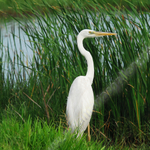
(81, 98)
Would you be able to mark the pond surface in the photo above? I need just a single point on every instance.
(15, 44)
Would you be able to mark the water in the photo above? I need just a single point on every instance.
(15, 43)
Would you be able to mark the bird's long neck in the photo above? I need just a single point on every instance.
(87, 55)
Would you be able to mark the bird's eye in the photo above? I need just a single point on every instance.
(91, 32)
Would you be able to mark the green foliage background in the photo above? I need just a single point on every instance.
(121, 83)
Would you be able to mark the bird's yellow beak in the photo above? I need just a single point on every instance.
(103, 33)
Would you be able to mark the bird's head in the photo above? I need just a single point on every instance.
(86, 33)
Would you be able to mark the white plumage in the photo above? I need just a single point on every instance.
(80, 100)
(80, 104)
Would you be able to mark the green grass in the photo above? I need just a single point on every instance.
(7, 8)
(121, 83)
(37, 134)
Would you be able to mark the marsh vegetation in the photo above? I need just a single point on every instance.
(33, 90)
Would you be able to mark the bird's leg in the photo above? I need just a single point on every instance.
(89, 136)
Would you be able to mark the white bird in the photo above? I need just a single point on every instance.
(80, 100)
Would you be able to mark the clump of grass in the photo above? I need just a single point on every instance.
(37, 134)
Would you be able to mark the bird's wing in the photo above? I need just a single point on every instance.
(80, 103)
